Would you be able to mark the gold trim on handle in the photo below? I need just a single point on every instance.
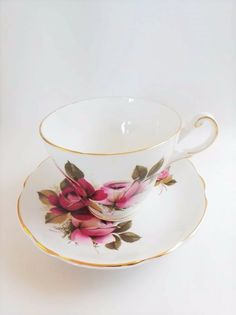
(124, 264)
(198, 124)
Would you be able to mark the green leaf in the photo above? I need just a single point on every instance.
(55, 218)
(167, 179)
(155, 168)
(129, 237)
(122, 227)
(170, 183)
(44, 194)
(157, 183)
(115, 208)
(139, 172)
(65, 183)
(114, 245)
(73, 171)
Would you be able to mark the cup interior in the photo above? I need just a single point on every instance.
(110, 125)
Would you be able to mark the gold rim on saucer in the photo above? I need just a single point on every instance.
(88, 264)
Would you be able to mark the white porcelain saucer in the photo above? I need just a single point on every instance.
(169, 216)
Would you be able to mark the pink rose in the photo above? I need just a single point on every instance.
(77, 195)
(82, 214)
(164, 174)
(95, 230)
(122, 195)
(70, 200)
(86, 190)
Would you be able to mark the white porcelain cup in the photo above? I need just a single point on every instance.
(111, 150)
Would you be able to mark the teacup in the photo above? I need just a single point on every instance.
(112, 150)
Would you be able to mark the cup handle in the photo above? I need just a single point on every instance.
(196, 122)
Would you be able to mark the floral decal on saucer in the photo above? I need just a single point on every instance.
(69, 207)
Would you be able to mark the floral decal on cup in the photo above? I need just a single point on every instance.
(69, 207)
(165, 178)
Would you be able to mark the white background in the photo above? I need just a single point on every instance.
(178, 52)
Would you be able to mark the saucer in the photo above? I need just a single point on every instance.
(169, 215)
